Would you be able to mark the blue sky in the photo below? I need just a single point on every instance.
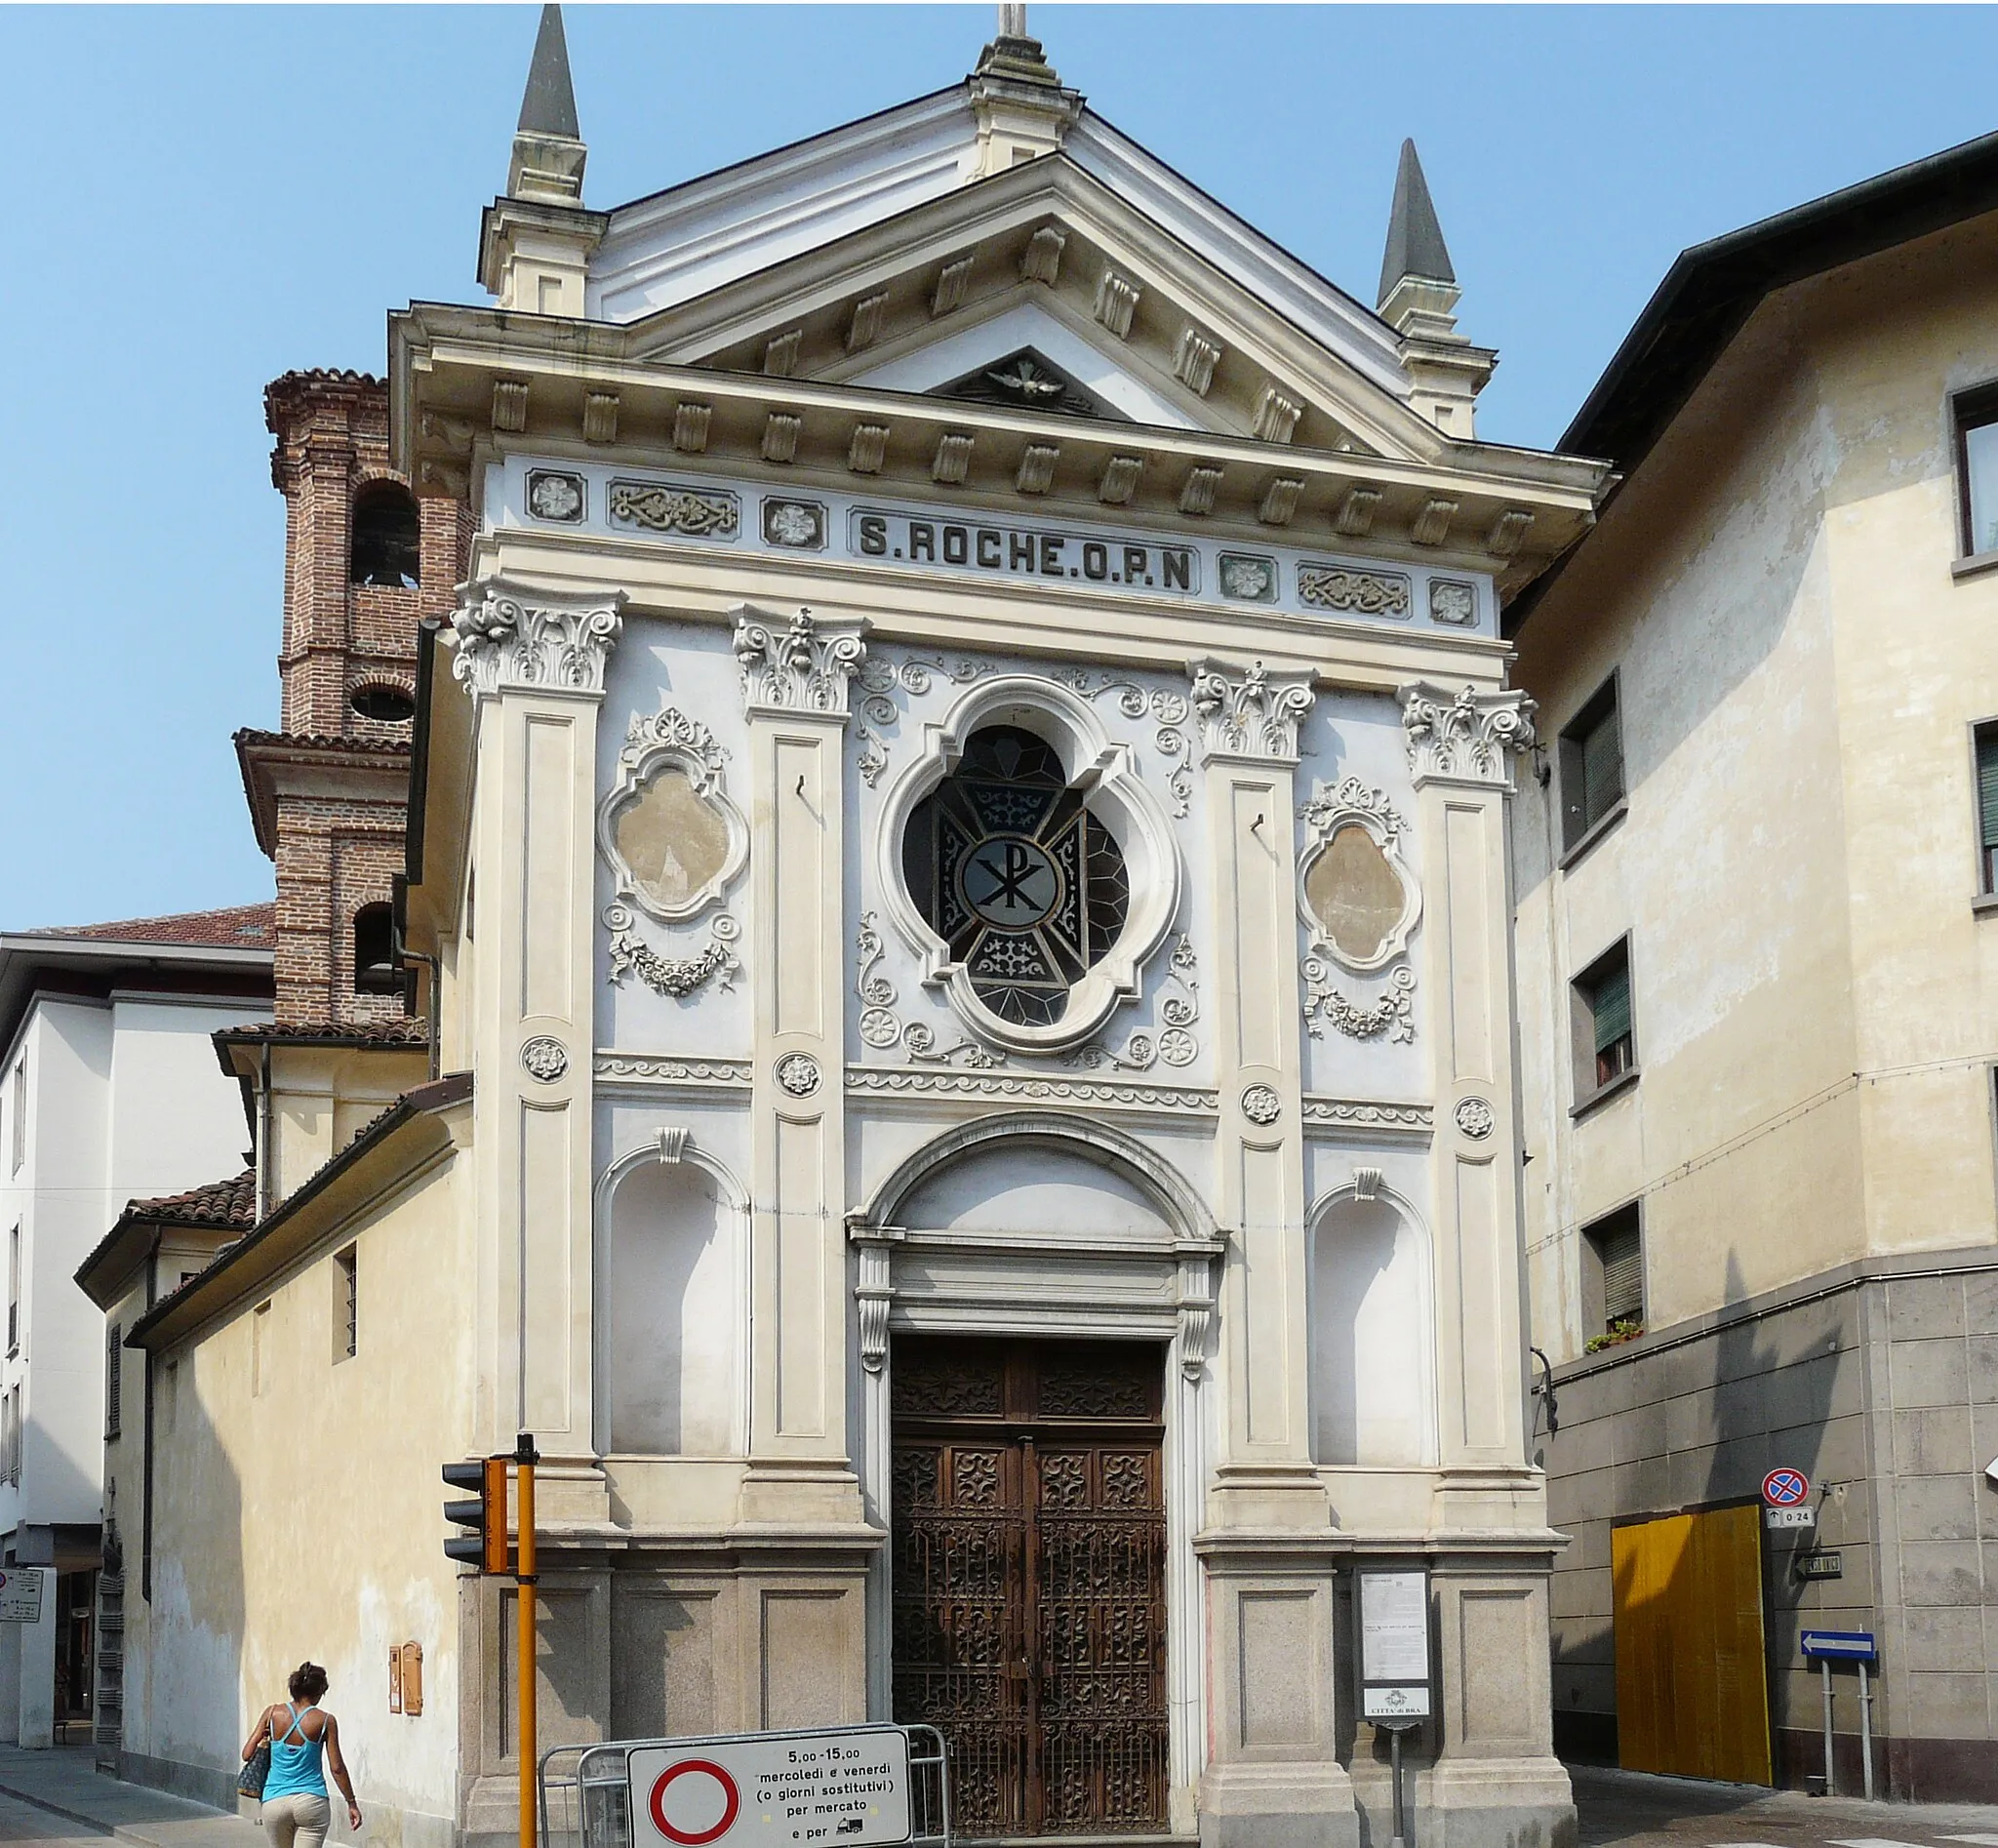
(201, 198)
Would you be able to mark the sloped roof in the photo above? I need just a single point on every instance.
(231, 927)
(231, 1202)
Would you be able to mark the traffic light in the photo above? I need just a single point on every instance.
(484, 1513)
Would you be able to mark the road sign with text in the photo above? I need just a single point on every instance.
(849, 1789)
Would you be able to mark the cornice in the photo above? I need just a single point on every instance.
(1507, 511)
(278, 764)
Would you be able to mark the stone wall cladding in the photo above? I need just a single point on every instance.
(1884, 1384)
(334, 856)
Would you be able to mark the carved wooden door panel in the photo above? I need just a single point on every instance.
(1029, 1556)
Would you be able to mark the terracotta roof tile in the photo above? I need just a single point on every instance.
(219, 1203)
(403, 1032)
(319, 740)
(234, 927)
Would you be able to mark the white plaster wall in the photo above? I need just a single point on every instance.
(1799, 672)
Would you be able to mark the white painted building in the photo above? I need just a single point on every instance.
(109, 1090)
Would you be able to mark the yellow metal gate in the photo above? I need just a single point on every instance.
(1692, 1682)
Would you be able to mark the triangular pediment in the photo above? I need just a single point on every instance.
(1048, 256)
(1026, 380)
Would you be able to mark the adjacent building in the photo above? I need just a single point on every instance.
(951, 1050)
(1757, 891)
(107, 1089)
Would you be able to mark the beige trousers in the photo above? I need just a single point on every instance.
(298, 1822)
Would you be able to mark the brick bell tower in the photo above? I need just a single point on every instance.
(364, 561)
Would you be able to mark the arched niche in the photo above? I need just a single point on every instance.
(1373, 1369)
(671, 1311)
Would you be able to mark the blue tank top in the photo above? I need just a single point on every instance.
(295, 1768)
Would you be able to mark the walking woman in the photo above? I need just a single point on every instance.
(301, 1734)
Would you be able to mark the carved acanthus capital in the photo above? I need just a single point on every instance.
(1467, 737)
(802, 667)
(1256, 714)
(507, 636)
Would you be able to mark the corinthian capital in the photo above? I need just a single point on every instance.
(507, 636)
(1468, 737)
(802, 667)
(1250, 715)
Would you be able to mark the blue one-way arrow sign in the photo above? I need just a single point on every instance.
(1839, 1645)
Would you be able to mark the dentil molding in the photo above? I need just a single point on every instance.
(1465, 736)
(506, 635)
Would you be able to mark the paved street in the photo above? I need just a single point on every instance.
(1626, 1808)
(22, 1822)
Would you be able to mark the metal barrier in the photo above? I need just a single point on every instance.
(585, 1790)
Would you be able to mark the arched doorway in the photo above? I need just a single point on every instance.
(1035, 1299)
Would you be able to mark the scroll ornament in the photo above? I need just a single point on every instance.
(802, 668)
(1252, 714)
(1468, 736)
(504, 636)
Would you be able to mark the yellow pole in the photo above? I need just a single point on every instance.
(524, 1647)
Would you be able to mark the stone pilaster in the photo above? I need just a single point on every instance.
(535, 665)
(795, 677)
(1274, 1779)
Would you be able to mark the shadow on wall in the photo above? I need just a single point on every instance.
(185, 1725)
(1705, 1601)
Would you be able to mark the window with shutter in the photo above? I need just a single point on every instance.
(1613, 1277)
(113, 1393)
(1987, 806)
(1605, 1044)
(1591, 754)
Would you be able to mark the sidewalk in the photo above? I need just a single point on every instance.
(1630, 1807)
(65, 1783)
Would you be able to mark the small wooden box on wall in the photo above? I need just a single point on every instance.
(406, 1679)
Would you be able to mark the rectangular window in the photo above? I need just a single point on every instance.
(1613, 1275)
(18, 1132)
(13, 1444)
(13, 1292)
(113, 1379)
(1976, 469)
(1605, 1029)
(1591, 758)
(347, 1304)
(1987, 737)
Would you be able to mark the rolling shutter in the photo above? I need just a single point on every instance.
(1602, 769)
(1622, 1250)
(1610, 1007)
(1987, 787)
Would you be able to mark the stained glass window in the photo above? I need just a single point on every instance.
(1023, 884)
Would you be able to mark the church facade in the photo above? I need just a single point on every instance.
(957, 893)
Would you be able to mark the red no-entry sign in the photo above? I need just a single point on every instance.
(1785, 1488)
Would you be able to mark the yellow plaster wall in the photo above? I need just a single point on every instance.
(1798, 673)
(336, 1553)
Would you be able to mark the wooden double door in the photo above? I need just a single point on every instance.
(1029, 1559)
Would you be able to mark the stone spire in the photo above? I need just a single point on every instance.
(1418, 298)
(536, 243)
(1022, 109)
(1415, 239)
(549, 152)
